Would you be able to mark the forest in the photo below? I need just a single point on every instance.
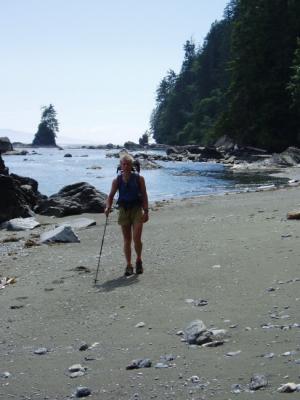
(243, 81)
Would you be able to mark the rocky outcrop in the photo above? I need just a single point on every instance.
(20, 198)
(193, 153)
(73, 199)
(17, 199)
(290, 157)
(3, 168)
(5, 145)
(19, 195)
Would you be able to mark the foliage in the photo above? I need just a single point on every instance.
(144, 140)
(243, 82)
(294, 85)
(130, 145)
(263, 46)
(179, 116)
(47, 128)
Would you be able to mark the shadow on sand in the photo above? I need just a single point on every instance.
(113, 284)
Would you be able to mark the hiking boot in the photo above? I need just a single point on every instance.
(139, 267)
(128, 270)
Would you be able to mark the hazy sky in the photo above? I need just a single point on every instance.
(98, 62)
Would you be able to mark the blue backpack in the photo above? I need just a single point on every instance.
(129, 192)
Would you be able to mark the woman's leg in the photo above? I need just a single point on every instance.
(127, 238)
(137, 240)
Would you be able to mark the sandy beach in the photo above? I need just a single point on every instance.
(238, 252)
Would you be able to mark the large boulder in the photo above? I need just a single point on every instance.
(5, 145)
(73, 199)
(19, 195)
(14, 201)
(291, 156)
(288, 158)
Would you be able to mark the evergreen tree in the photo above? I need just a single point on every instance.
(47, 128)
(144, 140)
(212, 81)
(263, 46)
(159, 121)
(294, 84)
(189, 104)
(175, 101)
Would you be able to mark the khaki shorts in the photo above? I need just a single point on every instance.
(130, 216)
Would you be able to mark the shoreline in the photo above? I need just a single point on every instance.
(104, 184)
(238, 252)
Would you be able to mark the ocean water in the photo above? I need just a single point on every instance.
(53, 171)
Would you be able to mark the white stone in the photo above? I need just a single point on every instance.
(79, 223)
(61, 234)
(140, 325)
(287, 388)
(21, 224)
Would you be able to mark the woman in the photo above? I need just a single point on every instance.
(133, 210)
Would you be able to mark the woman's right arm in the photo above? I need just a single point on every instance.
(110, 198)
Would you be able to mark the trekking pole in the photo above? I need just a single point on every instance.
(101, 249)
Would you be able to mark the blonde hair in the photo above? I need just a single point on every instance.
(126, 157)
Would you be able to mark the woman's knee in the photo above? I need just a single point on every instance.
(137, 240)
(127, 241)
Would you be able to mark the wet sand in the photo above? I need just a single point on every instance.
(237, 251)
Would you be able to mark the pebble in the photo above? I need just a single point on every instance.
(270, 289)
(136, 396)
(268, 355)
(83, 347)
(200, 303)
(76, 368)
(140, 363)
(257, 382)
(77, 374)
(82, 391)
(140, 325)
(289, 387)
(233, 353)
(167, 357)
(289, 353)
(161, 365)
(5, 374)
(236, 388)
(195, 379)
(41, 350)
(90, 358)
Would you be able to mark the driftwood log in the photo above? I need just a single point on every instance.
(293, 215)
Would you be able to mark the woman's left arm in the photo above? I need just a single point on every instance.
(145, 199)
